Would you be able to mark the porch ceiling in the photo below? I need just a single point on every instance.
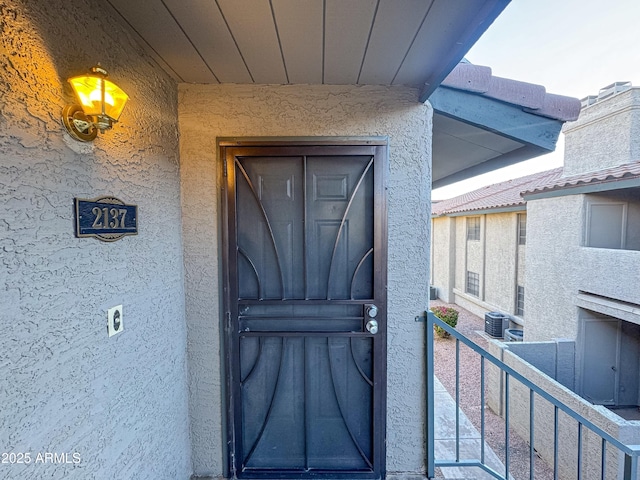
(374, 42)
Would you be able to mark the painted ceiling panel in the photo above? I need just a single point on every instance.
(309, 41)
(153, 22)
(455, 154)
(347, 27)
(473, 135)
(300, 28)
(209, 34)
(394, 30)
(438, 25)
(251, 23)
(458, 146)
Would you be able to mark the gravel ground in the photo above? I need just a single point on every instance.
(445, 369)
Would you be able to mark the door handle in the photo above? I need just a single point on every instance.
(372, 327)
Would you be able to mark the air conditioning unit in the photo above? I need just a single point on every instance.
(495, 323)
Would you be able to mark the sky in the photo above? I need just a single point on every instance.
(571, 47)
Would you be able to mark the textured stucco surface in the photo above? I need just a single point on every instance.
(607, 134)
(496, 257)
(554, 269)
(208, 112)
(461, 254)
(120, 404)
(521, 263)
(443, 256)
(501, 251)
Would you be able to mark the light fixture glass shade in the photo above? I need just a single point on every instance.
(89, 90)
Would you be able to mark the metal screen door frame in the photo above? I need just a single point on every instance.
(376, 149)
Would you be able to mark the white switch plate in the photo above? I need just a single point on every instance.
(114, 320)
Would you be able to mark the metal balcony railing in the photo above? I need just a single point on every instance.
(611, 449)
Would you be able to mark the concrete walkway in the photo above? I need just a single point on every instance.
(445, 439)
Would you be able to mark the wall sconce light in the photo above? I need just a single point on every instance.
(101, 103)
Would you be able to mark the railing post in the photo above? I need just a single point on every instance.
(429, 371)
(631, 465)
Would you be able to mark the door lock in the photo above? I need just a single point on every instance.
(371, 310)
(372, 327)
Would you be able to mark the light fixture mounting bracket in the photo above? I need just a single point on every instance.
(79, 125)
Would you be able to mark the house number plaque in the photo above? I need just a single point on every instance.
(106, 218)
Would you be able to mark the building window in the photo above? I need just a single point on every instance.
(606, 225)
(522, 229)
(520, 301)
(473, 228)
(473, 284)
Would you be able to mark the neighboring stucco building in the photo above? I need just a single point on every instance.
(218, 90)
(583, 253)
(479, 239)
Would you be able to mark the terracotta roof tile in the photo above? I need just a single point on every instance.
(511, 193)
(626, 171)
(499, 195)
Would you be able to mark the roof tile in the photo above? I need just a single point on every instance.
(625, 171)
(530, 97)
(499, 195)
(511, 193)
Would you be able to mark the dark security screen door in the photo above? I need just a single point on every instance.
(306, 309)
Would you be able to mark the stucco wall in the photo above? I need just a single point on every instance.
(443, 260)
(619, 277)
(208, 112)
(496, 257)
(119, 403)
(501, 261)
(554, 267)
(461, 253)
(607, 134)
(521, 264)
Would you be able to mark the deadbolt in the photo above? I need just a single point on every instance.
(371, 310)
(372, 327)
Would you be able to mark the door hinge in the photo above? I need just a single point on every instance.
(228, 320)
(224, 167)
